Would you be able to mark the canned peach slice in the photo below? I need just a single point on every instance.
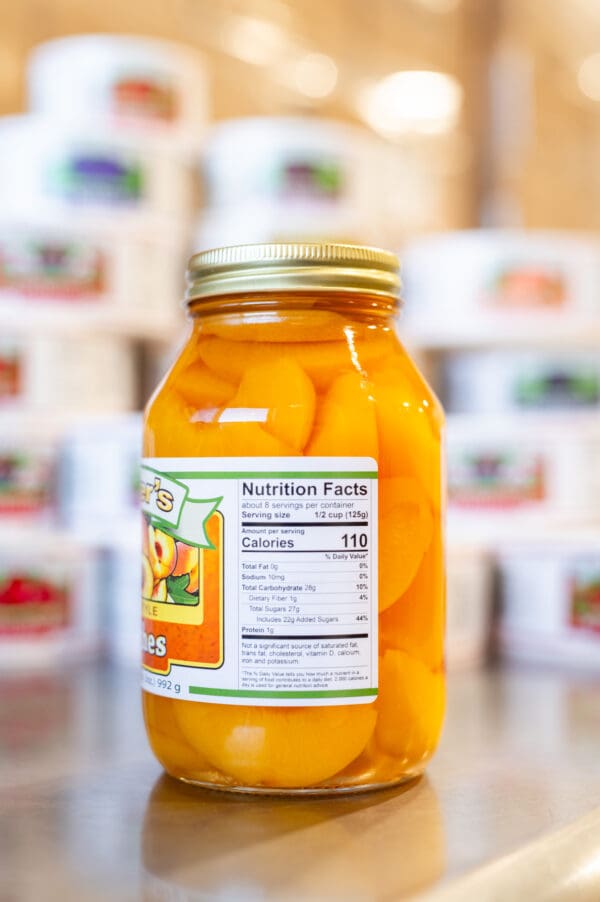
(281, 389)
(410, 707)
(189, 432)
(239, 439)
(320, 325)
(407, 429)
(405, 531)
(322, 361)
(166, 739)
(345, 422)
(202, 388)
(414, 623)
(170, 429)
(277, 747)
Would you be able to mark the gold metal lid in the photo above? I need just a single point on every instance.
(264, 268)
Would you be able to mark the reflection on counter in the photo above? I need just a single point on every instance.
(59, 723)
(231, 848)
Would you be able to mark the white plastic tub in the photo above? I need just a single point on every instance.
(295, 162)
(468, 607)
(50, 267)
(495, 274)
(123, 624)
(498, 382)
(102, 509)
(550, 594)
(506, 474)
(76, 372)
(125, 82)
(77, 174)
(49, 601)
(28, 470)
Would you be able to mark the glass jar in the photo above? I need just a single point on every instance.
(293, 578)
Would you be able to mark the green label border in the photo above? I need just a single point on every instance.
(263, 474)
(257, 693)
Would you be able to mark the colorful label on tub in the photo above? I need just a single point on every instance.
(98, 178)
(25, 482)
(310, 179)
(47, 268)
(144, 96)
(10, 374)
(495, 479)
(584, 586)
(527, 285)
(260, 585)
(558, 387)
(31, 604)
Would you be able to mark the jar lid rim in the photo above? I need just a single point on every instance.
(293, 266)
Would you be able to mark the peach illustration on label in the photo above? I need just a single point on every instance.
(170, 568)
(159, 592)
(147, 578)
(162, 552)
(183, 611)
(187, 557)
(187, 565)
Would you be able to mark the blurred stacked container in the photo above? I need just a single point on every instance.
(290, 179)
(511, 321)
(551, 599)
(97, 198)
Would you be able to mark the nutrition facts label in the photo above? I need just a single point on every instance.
(307, 584)
(298, 570)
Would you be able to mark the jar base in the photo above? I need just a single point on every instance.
(304, 792)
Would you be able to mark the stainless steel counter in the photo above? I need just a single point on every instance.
(85, 813)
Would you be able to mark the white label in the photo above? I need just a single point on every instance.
(281, 603)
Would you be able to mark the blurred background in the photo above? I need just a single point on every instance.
(463, 135)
